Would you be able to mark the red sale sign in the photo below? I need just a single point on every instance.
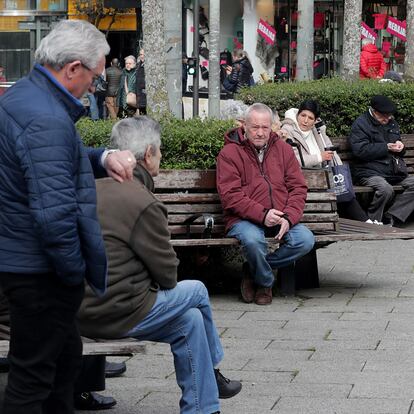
(397, 28)
(367, 32)
(267, 32)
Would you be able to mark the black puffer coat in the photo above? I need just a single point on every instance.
(140, 85)
(240, 75)
(368, 141)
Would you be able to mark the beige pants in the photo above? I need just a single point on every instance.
(110, 102)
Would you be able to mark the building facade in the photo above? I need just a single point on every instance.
(269, 31)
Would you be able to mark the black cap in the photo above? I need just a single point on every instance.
(383, 104)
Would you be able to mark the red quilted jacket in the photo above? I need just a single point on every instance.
(248, 189)
(372, 64)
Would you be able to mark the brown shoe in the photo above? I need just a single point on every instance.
(263, 296)
(247, 287)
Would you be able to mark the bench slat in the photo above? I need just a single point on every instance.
(120, 348)
(202, 180)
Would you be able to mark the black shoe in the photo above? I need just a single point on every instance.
(114, 369)
(4, 365)
(93, 401)
(226, 387)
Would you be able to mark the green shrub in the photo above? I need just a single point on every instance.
(95, 133)
(193, 143)
(185, 144)
(341, 102)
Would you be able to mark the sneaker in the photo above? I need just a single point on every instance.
(263, 296)
(227, 388)
(378, 223)
(369, 221)
(247, 286)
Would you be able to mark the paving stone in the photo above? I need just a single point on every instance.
(289, 405)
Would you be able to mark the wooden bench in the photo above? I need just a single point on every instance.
(121, 347)
(346, 155)
(196, 220)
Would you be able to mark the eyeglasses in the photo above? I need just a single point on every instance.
(382, 115)
(95, 76)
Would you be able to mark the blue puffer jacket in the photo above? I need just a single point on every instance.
(48, 220)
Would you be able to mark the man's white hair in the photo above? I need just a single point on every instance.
(136, 134)
(72, 40)
(259, 107)
(130, 57)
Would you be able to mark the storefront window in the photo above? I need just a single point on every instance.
(38, 5)
(328, 18)
(387, 26)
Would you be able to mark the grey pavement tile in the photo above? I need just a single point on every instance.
(284, 316)
(268, 325)
(228, 314)
(243, 343)
(269, 365)
(376, 290)
(373, 388)
(328, 374)
(258, 333)
(396, 344)
(337, 324)
(365, 316)
(289, 405)
(334, 355)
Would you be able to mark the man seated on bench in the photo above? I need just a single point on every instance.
(376, 144)
(263, 193)
(144, 300)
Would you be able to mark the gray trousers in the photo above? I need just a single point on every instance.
(400, 206)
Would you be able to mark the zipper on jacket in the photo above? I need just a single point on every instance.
(262, 173)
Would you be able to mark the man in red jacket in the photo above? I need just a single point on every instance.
(372, 65)
(263, 193)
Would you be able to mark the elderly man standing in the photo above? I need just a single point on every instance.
(376, 144)
(50, 239)
(263, 193)
(113, 77)
(144, 300)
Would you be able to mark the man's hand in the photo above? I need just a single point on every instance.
(273, 217)
(284, 227)
(120, 164)
(397, 146)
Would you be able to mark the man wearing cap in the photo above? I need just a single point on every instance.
(376, 144)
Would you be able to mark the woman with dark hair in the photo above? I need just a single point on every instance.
(304, 127)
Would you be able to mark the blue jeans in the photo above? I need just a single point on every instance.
(182, 317)
(297, 242)
(93, 107)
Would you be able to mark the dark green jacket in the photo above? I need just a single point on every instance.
(140, 256)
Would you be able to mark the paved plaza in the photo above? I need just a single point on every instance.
(347, 347)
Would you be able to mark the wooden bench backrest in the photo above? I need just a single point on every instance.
(190, 192)
(346, 155)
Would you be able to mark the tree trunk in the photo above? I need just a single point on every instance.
(214, 60)
(409, 45)
(305, 40)
(352, 39)
(155, 59)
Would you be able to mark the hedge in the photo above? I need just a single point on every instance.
(341, 102)
(195, 143)
(185, 144)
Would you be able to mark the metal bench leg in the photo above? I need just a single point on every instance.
(306, 271)
(286, 280)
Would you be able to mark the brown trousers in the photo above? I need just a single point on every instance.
(110, 102)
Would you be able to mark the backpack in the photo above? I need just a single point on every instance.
(101, 86)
